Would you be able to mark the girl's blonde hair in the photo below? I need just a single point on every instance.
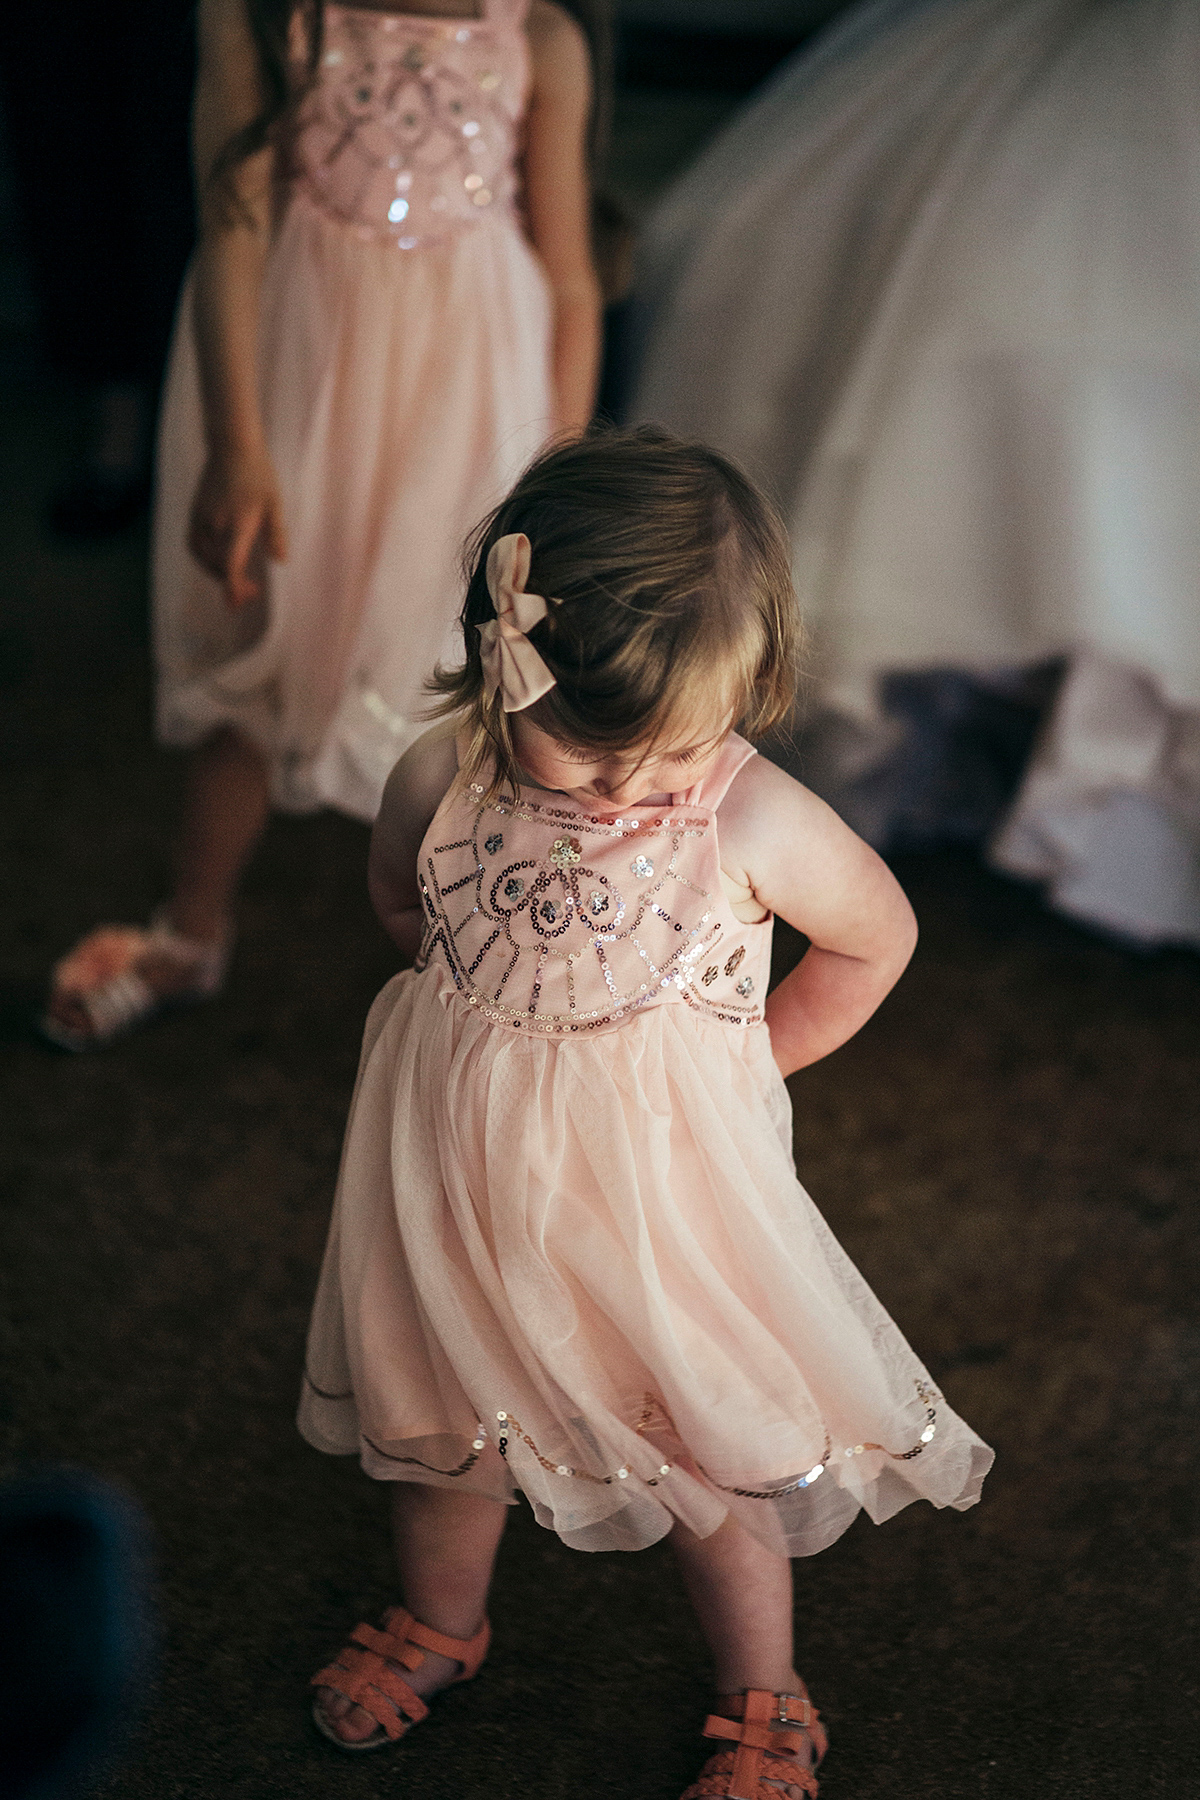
(675, 601)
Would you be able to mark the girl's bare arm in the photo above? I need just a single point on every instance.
(804, 864)
(415, 789)
(558, 204)
(236, 511)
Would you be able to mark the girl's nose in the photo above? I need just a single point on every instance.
(616, 786)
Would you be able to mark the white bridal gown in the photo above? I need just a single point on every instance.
(939, 288)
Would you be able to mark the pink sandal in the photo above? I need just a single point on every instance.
(770, 1732)
(361, 1674)
(103, 975)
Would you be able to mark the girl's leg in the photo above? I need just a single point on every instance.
(742, 1596)
(225, 809)
(446, 1545)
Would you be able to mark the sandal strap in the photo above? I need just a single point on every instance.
(756, 1737)
(388, 1645)
(758, 1705)
(361, 1672)
(364, 1677)
(207, 962)
(103, 975)
(767, 1725)
(470, 1652)
(124, 1001)
(718, 1780)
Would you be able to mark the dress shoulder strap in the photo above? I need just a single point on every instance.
(709, 793)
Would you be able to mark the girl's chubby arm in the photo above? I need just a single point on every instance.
(801, 862)
(236, 513)
(558, 204)
(415, 789)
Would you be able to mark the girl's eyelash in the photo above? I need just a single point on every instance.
(571, 753)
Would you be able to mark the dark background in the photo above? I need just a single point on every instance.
(1008, 1151)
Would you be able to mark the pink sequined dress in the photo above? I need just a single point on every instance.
(405, 378)
(569, 1251)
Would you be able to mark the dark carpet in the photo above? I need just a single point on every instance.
(1008, 1151)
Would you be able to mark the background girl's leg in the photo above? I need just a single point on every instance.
(225, 810)
(446, 1547)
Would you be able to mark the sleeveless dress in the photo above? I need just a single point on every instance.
(938, 287)
(569, 1252)
(405, 376)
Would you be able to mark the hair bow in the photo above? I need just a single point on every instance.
(510, 661)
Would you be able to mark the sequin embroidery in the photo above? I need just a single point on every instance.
(546, 924)
(410, 131)
(565, 852)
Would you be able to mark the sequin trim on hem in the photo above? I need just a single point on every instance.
(653, 1414)
(464, 1467)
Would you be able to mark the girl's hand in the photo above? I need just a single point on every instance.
(236, 519)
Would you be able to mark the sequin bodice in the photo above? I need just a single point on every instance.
(554, 921)
(410, 133)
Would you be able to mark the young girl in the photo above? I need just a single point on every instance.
(393, 306)
(569, 1252)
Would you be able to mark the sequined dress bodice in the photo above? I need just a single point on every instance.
(410, 133)
(554, 921)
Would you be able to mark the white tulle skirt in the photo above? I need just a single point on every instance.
(403, 393)
(592, 1252)
(939, 288)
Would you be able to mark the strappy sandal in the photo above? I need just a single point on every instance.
(103, 974)
(770, 1732)
(361, 1674)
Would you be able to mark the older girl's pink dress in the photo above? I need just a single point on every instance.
(405, 377)
(569, 1252)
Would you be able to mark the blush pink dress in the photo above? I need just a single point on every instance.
(569, 1252)
(405, 378)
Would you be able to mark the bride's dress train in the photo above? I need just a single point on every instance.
(939, 288)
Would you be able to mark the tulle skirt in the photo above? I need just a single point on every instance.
(403, 392)
(593, 1254)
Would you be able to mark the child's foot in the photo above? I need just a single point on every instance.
(394, 1673)
(353, 1724)
(120, 976)
(778, 1739)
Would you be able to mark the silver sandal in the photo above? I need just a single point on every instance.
(102, 974)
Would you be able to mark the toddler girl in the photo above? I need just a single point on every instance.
(569, 1252)
(393, 306)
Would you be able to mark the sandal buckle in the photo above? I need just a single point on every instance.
(790, 1718)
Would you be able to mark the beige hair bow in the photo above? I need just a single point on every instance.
(510, 661)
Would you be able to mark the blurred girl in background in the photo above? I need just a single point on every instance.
(393, 306)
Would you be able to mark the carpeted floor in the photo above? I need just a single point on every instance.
(1008, 1151)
